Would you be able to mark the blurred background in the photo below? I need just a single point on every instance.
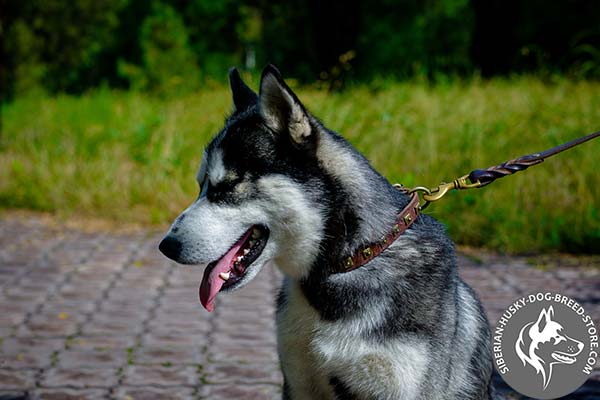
(106, 105)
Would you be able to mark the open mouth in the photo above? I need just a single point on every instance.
(226, 272)
(563, 358)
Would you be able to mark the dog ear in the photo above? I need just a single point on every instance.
(281, 109)
(543, 319)
(243, 96)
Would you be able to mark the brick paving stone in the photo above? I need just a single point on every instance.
(245, 338)
(244, 324)
(151, 393)
(90, 315)
(154, 339)
(232, 373)
(242, 354)
(70, 394)
(168, 355)
(101, 358)
(49, 326)
(142, 375)
(106, 343)
(10, 318)
(172, 331)
(240, 392)
(11, 305)
(17, 295)
(81, 291)
(139, 284)
(106, 324)
(172, 314)
(17, 379)
(246, 311)
(28, 352)
(124, 293)
(185, 277)
(191, 306)
(175, 322)
(73, 309)
(79, 378)
(137, 305)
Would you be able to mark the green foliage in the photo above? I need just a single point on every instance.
(214, 38)
(426, 38)
(61, 47)
(586, 54)
(131, 157)
(29, 71)
(174, 45)
(168, 63)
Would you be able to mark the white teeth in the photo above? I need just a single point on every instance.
(240, 258)
(246, 251)
(255, 233)
(224, 275)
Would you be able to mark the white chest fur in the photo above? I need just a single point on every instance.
(312, 351)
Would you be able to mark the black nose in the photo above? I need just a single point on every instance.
(170, 247)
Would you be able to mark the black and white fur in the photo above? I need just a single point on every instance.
(404, 326)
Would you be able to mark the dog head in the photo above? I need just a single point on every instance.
(544, 343)
(255, 203)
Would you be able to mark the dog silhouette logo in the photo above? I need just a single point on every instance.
(543, 343)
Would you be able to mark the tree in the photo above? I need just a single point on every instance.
(168, 65)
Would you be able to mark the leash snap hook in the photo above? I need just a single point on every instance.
(439, 192)
(431, 195)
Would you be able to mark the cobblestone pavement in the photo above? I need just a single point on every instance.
(104, 315)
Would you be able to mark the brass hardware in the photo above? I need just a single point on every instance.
(396, 229)
(458, 184)
(431, 195)
(421, 189)
(384, 240)
(367, 252)
(407, 219)
(348, 263)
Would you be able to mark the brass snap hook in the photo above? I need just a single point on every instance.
(431, 195)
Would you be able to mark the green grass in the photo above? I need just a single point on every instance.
(133, 158)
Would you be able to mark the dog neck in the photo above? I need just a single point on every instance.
(364, 205)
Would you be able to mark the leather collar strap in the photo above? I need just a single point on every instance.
(404, 220)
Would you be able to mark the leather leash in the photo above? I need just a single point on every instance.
(475, 179)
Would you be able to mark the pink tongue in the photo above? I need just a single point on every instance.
(211, 282)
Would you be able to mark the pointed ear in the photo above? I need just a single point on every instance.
(243, 96)
(281, 109)
(542, 320)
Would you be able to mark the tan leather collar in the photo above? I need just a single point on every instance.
(404, 220)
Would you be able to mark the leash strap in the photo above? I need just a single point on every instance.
(489, 175)
(475, 179)
(483, 177)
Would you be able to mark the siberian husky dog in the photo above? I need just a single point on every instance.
(277, 186)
